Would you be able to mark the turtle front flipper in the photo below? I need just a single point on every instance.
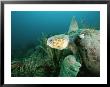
(73, 26)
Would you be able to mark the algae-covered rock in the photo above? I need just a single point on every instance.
(70, 67)
(89, 47)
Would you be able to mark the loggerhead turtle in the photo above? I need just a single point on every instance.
(86, 42)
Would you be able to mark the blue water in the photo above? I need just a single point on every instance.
(27, 26)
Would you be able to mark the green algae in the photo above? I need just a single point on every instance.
(42, 62)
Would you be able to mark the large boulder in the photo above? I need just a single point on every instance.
(89, 48)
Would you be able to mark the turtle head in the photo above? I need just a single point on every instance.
(59, 42)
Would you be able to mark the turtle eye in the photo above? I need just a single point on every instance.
(50, 40)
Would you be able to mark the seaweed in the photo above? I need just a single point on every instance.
(42, 62)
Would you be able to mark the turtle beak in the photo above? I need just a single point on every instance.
(49, 42)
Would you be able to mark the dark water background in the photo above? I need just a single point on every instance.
(27, 26)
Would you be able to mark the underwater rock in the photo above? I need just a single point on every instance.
(70, 67)
(89, 47)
